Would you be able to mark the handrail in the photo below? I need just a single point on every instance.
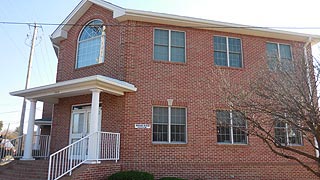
(65, 160)
(14, 148)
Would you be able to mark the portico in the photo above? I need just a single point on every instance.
(93, 85)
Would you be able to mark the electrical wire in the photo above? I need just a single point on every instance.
(148, 26)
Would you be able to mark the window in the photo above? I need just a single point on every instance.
(91, 44)
(227, 51)
(279, 56)
(287, 135)
(231, 127)
(169, 124)
(169, 45)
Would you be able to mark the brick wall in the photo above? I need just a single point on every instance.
(194, 85)
(95, 172)
(47, 110)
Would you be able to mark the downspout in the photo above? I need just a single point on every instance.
(309, 83)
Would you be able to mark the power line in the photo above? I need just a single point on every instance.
(148, 26)
(8, 112)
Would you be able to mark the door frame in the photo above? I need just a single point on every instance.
(87, 112)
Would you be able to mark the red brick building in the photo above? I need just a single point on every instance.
(152, 78)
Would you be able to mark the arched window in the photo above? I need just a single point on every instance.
(91, 44)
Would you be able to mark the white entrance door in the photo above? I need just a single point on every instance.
(80, 127)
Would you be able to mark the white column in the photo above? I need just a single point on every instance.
(37, 139)
(93, 148)
(27, 155)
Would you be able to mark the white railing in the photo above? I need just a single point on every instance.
(103, 145)
(41, 146)
(14, 148)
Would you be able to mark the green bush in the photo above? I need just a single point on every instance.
(170, 178)
(131, 175)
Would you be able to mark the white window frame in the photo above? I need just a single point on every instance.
(231, 130)
(102, 45)
(227, 44)
(278, 48)
(169, 45)
(169, 127)
(287, 136)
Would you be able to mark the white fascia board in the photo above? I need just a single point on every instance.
(42, 122)
(57, 32)
(183, 21)
(76, 87)
(117, 10)
(76, 14)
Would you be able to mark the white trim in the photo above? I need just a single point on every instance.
(78, 11)
(122, 14)
(52, 92)
(184, 21)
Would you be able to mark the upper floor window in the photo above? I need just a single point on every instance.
(169, 45)
(227, 51)
(286, 135)
(169, 124)
(279, 56)
(91, 44)
(231, 127)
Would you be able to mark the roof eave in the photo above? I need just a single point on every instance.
(61, 32)
(183, 21)
(52, 92)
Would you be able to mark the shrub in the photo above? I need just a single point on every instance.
(131, 175)
(170, 178)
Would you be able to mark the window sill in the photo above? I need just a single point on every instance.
(293, 145)
(229, 144)
(167, 143)
(169, 62)
(228, 67)
(87, 67)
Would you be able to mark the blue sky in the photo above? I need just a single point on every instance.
(14, 49)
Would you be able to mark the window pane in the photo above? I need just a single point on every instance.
(223, 126)
(178, 124)
(272, 56)
(239, 127)
(234, 45)
(92, 30)
(280, 131)
(160, 124)
(239, 135)
(177, 54)
(220, 43)
(272, 50)
(160, 132)
(161, 52)
(235, 60)
(285, 52)
(161, 37)
(177, 39)
(160, 115)
(294, 136)
(78, 123)
(88, 52)
(220, 58)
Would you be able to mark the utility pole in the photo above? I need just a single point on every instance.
(34, 36)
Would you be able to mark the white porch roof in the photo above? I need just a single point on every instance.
(52, 92)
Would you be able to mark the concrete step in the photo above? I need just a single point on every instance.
(23, 170)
